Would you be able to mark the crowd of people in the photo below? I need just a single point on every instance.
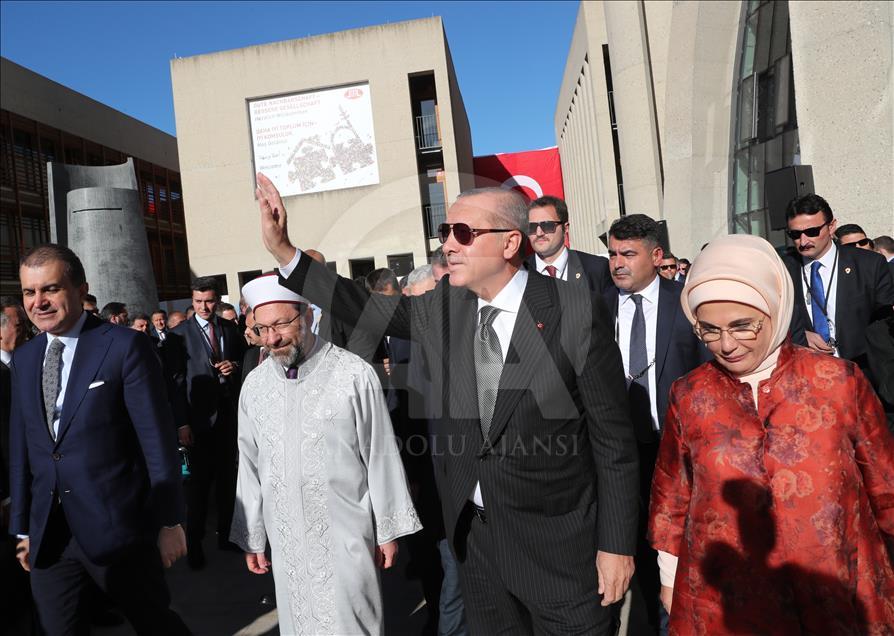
(542, 432)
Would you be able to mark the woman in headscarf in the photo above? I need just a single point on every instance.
(774, 486)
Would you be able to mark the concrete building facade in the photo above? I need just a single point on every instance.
(678, 110)
(42, 121)
(422, 148)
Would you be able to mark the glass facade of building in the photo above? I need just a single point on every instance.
(765, 129)
(27, 146)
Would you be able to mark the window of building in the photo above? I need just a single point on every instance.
(765, 121)
(361, 267)
(400, 264)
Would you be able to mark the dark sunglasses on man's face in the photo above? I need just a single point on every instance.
(812, 232)
(463, 234)
(863, 242)
(548, 227)
(664, 268)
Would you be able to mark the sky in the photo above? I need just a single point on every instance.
(509, 56)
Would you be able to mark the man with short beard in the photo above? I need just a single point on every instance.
(320, 476)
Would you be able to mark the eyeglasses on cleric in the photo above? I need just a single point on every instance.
(464, 234)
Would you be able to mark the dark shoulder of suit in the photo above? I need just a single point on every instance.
(597, 270)
(250, 361)
(882, 279)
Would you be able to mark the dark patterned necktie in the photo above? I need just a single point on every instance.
(52, 380)
(212, 341)
(637, 365)
(488, 365)
(551, 270)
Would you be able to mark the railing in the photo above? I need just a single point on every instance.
(427, 136)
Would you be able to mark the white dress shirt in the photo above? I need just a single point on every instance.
(829, 276)
(5, 357)
(626, 310)
(508, 300)
(70, 340)
(217, 332)
(561, 264)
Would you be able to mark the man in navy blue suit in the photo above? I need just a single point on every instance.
(202, 356)
(94, 474)
(548, 227)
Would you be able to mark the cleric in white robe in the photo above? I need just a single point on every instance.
(320, 476)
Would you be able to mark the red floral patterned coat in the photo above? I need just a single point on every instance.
(782, 516)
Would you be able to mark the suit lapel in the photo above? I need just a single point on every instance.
(844, 282)
(576, 274)
(664, 324)
(538, 317)
(89, 355)
(227, 341)
(33, 361)
(200, 336)
(611, 301)
(461, 383)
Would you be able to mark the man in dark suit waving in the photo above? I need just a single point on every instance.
(547, 229)
(203, 355)
(95, 479)
(534, 423)
(839, 290)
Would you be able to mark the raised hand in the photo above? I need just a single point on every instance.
(274, 230)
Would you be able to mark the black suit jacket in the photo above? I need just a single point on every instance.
(864, 294)
(5, 395)
(880, 355)
(409, 401)
(114, 461)
(677, 349)
(584, 269)
(250, 361)
(199, 396)
(560, 443)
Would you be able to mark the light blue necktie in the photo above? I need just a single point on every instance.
(818, 302)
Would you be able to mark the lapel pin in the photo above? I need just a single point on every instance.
(577, 275)
(847, 270)
(540, 325)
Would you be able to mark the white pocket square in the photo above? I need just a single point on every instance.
(96, 384)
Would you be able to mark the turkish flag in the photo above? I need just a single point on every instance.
(534, 173)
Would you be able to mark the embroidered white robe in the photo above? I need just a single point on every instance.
(321, 479)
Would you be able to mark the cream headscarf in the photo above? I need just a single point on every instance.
(743, 269)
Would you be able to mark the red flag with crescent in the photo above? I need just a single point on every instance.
(534, 173)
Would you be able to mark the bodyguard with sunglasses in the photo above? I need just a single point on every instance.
(839, 290)
(547, 229)
(536, 458)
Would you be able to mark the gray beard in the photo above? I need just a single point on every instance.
(292, 358)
